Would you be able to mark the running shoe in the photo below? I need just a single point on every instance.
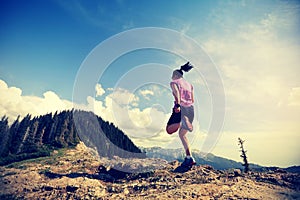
(188, 162)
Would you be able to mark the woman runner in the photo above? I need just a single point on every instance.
(183, 111)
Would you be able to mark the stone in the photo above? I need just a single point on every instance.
(237, 172)
(71, 188)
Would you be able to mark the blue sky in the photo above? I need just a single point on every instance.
(253, 44)
(54, 37)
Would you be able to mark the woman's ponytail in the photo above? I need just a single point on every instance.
(186, 67)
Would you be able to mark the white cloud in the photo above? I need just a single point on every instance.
(294, 97)
(99, 90)
(13, 103)
(140, 125)
(146, 127)
(123, 97)
(146, 93)
(259, 65)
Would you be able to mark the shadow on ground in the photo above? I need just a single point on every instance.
(111, 175)
(182, 169)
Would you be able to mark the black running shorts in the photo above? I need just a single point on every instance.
(175, 118)
(184, 111)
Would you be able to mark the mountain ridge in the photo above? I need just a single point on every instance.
(217, 162)
(33, 137)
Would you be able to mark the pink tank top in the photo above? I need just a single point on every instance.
(185, 89)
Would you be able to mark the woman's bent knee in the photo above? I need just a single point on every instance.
(172, 128)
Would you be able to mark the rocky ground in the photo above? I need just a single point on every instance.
(76, 174)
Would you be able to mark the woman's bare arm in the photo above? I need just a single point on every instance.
(192, 95)
(176, 93)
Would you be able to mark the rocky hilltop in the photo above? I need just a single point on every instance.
(73, 173)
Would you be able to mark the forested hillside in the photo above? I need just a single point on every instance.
(36, 136)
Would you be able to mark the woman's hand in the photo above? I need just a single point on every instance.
(176, 109)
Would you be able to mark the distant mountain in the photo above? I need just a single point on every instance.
(200, 157)
(293, 169)
(37, 136)
(216, 162)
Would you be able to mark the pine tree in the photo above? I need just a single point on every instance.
(20, 135)
(4, 137)
(13, 131)
(52, 132)
(243, 155)
(29, 145)
(46, 122)
(61, 130)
